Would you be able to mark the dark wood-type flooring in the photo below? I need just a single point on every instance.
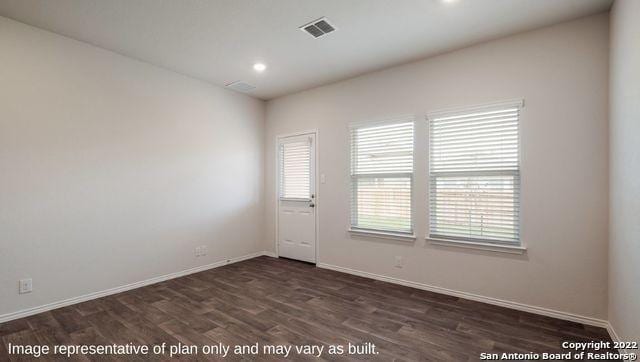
(279, 301)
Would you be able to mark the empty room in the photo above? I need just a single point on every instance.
(391, 180)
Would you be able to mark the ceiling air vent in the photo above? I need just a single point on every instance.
(241, 86)
(318, 28)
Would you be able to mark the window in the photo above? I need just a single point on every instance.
(474, 175)
(295, 168)
(382, 177)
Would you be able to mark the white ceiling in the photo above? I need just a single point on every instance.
(219, 40)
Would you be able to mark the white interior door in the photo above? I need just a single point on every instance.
(296, 197)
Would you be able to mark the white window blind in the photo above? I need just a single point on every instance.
(295, 169)
(382, 176)
(474, 175)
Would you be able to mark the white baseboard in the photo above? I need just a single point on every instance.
(616, 338)
(612, 333)
(479, 298)
(63, 303)
(489, 300)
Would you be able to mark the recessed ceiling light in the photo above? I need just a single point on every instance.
(259, 67)
(449, 1)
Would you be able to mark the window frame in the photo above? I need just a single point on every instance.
(372, 232)
(298, 138)
(516, 247)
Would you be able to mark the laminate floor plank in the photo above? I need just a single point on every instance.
(283, 302)
(14, 326)
(69, 319)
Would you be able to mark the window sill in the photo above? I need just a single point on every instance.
(383, 234)
(509, 249)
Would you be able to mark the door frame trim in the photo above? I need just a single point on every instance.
(313, 131)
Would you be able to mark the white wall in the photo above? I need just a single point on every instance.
(112, 170)
(624, 103)
(562, 73)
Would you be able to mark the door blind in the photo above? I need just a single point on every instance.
(382, 177)
(474, 175)
(295, 169)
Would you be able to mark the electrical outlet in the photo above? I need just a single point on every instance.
(197, 251)
(399, 262)
(25, 286)
(203, 250)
